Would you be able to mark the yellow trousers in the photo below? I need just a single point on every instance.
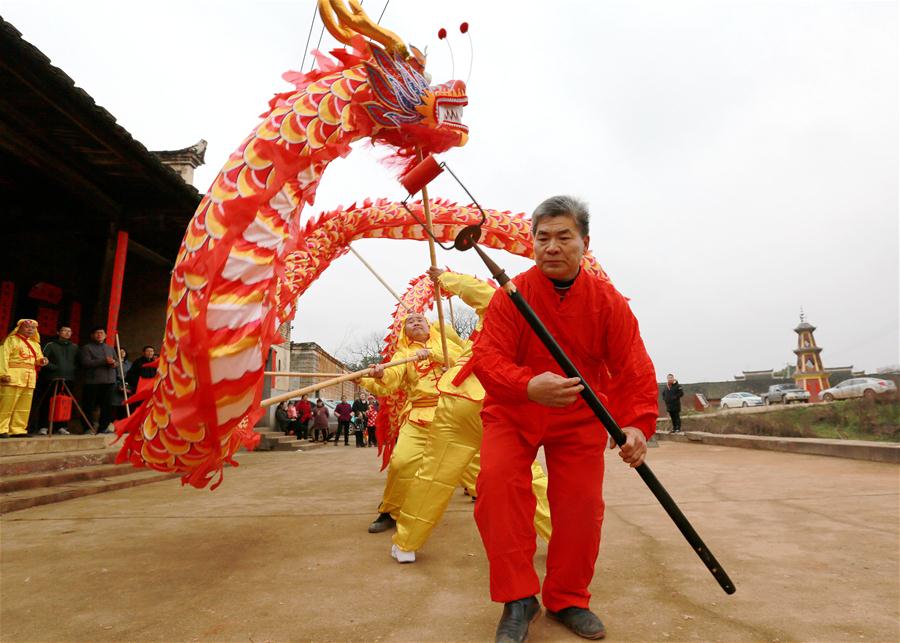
(15, 407)
(405, 460)
(538, 486)
(450, 454)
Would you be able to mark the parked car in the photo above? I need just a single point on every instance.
(742, 399)
(785, 394)
(867, 387)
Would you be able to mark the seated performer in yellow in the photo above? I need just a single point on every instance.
(419, 381)
(20, 359)
(451, 452)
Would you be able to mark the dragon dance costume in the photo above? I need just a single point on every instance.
(454, 440)
(19, 357)
(419, 381)
(594, 325)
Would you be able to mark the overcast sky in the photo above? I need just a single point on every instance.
(740, 158)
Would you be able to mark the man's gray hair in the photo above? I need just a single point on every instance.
(563, 206)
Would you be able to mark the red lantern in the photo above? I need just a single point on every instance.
(60, 408)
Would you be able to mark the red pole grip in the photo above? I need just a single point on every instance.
(421, 175)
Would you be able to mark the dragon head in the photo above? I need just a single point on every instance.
(405, 110)
(409, 108)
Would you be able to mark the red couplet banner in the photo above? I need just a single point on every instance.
(7, 294)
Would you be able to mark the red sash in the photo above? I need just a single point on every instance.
(24, 340)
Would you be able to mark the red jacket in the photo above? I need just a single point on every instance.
(343, 411)
(595, 327)
(304, 410)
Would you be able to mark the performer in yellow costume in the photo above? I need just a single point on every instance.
(451, 451)
(419, 381)
(20, 359)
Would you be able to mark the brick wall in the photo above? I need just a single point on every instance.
(309, 357)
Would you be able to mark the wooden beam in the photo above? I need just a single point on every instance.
(52, 161)
(146, 253)
(59, 92)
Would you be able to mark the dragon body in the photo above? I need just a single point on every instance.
(245, 258)
(225, 295)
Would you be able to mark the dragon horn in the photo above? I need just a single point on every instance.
(343, 23)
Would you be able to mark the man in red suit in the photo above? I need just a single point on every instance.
(529, 403)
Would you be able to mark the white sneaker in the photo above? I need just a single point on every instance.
(43, 431)
(402, 556)
(63, 431)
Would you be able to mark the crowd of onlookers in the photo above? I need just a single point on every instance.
(37, 381)
(102, 377)
(309, 420)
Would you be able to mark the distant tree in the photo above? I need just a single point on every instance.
(786, 373)
(891, 368)
(464, 321)
(365, 352)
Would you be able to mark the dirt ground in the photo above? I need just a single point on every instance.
(280, 552)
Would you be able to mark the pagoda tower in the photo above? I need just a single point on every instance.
(810, 374)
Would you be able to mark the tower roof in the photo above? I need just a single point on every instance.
(804, 326)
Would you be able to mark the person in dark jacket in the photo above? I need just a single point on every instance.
(360, 407)
(98, 368)
(672, 396)
(359, 428)
(281, 417)
(61, 354)
(122, 391)
(344, 412)
(140, 369)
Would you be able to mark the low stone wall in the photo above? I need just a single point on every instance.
(853, 449)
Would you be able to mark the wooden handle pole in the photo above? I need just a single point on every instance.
(122, 373)
(378, 277)
(336, 380)
(290, 374)
(426, 206)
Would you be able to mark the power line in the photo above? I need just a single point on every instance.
(322, 33)
(309, 35)
(318, 46)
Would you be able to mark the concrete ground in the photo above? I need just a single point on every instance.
(280, 552)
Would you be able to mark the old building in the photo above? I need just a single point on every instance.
(309, 357)
(92, 219)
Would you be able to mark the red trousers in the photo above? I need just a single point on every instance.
(574, 444)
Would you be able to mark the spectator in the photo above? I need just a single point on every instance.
(60, 354)
(122, 391)
(281, 417)
(304, 415)
(320, 421)
(359, 428)
(344, 412)
(371, 417)
(20, 360)
(139, 368)
(292, 418)
(672, 395)
(360, 406)
(98, 367)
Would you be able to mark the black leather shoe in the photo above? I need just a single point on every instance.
(382, 523)
(517, 616)
(581, 621)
